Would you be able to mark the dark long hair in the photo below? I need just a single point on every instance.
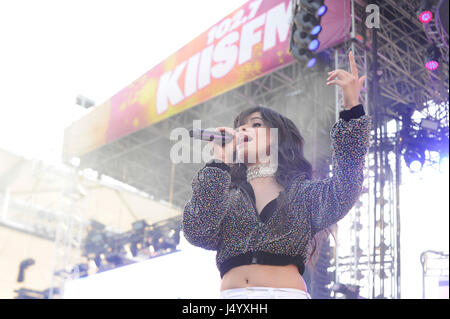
(291, 160)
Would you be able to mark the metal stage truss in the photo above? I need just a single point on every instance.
(392, 56)
(143, 159)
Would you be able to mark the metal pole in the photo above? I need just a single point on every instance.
(381, 204)
(172, 175)
(397, 206)
(375, 113)
(336, 66)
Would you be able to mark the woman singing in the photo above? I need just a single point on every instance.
(261, 217)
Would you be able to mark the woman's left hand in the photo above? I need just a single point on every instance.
(350, 83)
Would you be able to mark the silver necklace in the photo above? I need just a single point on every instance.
(260, 170)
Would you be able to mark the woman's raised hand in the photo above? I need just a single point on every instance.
(350, 83)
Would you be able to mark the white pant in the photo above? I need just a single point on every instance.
(264, 293)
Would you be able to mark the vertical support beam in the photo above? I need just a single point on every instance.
(172, 176)
(336, 89)
(397, 211)
(374, 86)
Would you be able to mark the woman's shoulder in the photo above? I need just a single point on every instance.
(298, 179)
(298, 183)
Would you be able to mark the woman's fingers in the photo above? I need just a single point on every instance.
(332, 79)
(350, 82)
(338, 82)
(341, 74)
(353, 67)
(361, 81)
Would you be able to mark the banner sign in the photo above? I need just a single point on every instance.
(249, 43)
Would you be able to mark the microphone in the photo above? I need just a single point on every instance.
(205, 135)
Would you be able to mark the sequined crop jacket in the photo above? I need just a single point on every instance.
(224, 218)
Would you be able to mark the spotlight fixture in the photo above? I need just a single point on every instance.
(424, 13)
(426, 16)
(311, 62)
(306, 21)
(414, 157)
(316, 30)
(317, 7)
(305, 31)
(432, 57)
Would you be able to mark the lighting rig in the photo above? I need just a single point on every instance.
(305, 30)
(109, 250)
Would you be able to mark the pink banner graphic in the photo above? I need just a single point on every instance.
(247, 44)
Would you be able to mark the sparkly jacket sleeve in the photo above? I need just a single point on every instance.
(204, 212)
(330, 199)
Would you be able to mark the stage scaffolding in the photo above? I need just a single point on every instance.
(392, 58)
(368, 240)
(69, 235)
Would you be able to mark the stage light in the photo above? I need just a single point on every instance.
(424, 13)
(308, 29)
(426, 16)
(302, 55)
(314, 45)
(415, 165)
(305, 21)
(305, 31)
(316, 30)
(322, 10)
(302, 39)
(432, 65)
(315, 6)
(414, 157)
(312, 62)
(432, 58)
